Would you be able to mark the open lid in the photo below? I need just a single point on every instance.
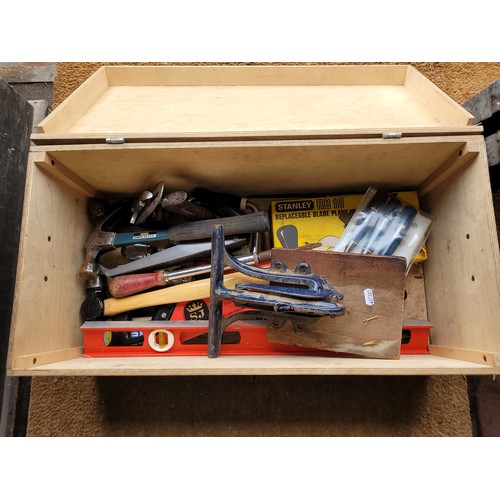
(170, 103)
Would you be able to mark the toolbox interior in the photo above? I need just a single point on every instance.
(450, 174)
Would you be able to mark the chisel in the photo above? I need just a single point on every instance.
(399, 229)
(363, 223)
(386, 215)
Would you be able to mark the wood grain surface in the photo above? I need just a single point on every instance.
(372, 331)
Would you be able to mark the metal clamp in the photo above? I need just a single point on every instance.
(302, 298)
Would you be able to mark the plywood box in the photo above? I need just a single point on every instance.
(259, 130)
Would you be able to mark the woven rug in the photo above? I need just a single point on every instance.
(258, 405)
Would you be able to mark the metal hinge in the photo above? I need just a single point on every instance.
(392, 135)
(115, 140)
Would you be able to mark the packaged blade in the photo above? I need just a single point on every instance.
(177, 254)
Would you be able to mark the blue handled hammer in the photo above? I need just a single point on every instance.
(99, 241)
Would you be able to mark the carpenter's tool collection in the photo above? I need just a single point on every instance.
(173, 273)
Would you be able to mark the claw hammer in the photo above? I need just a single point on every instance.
(99, 241)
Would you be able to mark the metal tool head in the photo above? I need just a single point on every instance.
(97, 241)
(174, 255)
(92, 307)
(179, 202)
(151, 203)
(139, 204)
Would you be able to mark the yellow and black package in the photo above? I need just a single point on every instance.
(302, 221)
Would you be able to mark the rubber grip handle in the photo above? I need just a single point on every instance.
(194, 290)
(257, 222)
(128, 284)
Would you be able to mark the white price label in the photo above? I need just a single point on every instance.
(369, 300)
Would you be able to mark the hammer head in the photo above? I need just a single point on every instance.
(92, 307)
(97, 241)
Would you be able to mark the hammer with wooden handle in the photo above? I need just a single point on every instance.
(94, 307)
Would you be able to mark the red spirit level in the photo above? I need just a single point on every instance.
(185, 334)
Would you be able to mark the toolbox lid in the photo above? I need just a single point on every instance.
(168, 103)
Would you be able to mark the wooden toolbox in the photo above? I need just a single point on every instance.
(258, 130)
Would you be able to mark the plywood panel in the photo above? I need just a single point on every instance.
(235, 109)
(304, 74)
(259, 167)
(267, 100)
(75, 106)
(49, 291)
(370, 330)
(463, 271)
(261, 365)
(56, 139)
(435, 100)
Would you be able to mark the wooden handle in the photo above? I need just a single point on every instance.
(184, 292)
(128, 284)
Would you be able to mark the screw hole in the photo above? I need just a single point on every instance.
(467, 236)
(52, 162)
(303, 269)
(484, 359)
(460, 153)
(49, 238)
(473, 278)
(45, 278)
(279, 266)
(34, 361)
